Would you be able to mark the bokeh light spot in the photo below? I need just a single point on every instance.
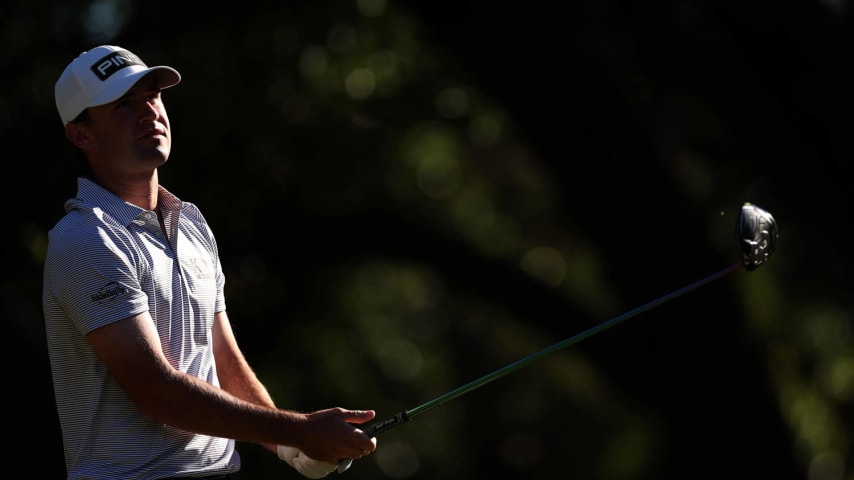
(400, 359)
(360, 83)
(452, 103)
(546, 264)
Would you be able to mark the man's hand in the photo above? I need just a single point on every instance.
(304, 464)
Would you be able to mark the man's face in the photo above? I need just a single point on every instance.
(132, 133)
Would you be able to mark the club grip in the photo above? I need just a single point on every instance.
(381, 427)
(375, 430)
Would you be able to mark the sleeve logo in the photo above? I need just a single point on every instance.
(109, 292)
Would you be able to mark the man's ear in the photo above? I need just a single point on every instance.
(79, 135)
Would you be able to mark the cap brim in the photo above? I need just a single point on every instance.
(166, 77)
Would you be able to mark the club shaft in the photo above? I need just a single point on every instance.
(403, 417)
(758, 233)
(569, 341)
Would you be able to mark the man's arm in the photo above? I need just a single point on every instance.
(131, 350)
(235, 375)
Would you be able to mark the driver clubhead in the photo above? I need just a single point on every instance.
(757, 235)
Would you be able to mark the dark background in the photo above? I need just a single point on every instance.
(410, 195)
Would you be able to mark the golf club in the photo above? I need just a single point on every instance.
(756, 231)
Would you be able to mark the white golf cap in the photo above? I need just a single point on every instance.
(102, 75)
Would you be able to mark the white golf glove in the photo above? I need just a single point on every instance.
(304, 464)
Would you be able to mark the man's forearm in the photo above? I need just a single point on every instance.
(191, 404)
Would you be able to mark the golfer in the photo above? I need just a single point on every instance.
(149, 379)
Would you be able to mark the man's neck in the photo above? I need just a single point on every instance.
(139, 191)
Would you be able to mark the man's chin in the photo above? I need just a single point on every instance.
(156, 157)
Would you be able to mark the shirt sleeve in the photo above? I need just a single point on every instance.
(95, 273)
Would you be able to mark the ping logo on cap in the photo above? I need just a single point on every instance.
(114, 62)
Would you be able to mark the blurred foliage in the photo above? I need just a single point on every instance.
(410, 195)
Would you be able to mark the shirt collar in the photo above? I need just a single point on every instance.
(91, 195)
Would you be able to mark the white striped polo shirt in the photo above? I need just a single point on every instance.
(108, 260)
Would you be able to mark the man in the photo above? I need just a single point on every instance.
(149, 380)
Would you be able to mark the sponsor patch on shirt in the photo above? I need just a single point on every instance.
(108, 292)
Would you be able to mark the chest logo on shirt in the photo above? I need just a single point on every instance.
(109, 292)
(200, 268)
